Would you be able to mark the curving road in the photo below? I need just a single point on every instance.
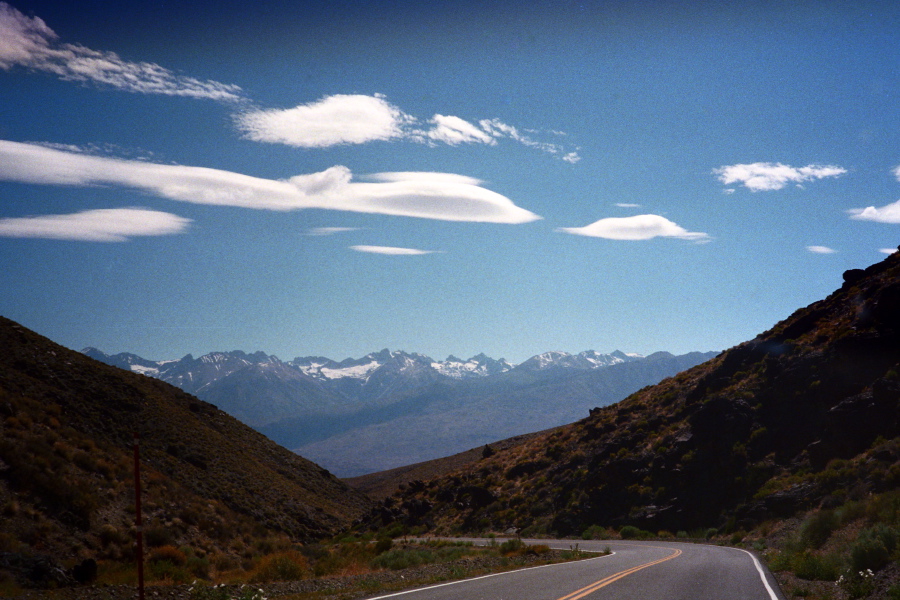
(645, 570)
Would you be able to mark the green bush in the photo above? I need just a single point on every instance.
(400, 558)
(816, 530)
(512, 546)
(630, 532)
(868, 552)
(814, 567)
(167, 571)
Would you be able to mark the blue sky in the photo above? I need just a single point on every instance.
(332, 178)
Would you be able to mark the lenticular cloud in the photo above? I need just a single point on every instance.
(440, 196)
(333, 120)
(391, 250)
(639, 227)
(104, 225)
(889, 213)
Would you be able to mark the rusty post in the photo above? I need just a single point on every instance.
(137, 510)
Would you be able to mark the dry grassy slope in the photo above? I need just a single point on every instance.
(65, 447)
(750, 435)
(384, 483)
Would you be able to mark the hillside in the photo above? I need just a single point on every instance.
(801, 417)
(210, 482)
(384, 483)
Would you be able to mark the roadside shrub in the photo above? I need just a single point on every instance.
(537, 549)
(288, 565)
(814, 567)
(167, 553)
(594, 532)
(158, 536)
(513, 546)
(165, 570)
(816, 530)
(857, 584)
(383, 545)
(630, 532)
(399, 558)
(869, 551)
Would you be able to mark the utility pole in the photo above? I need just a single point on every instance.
(137, 509)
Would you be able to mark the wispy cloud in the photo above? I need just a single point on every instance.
(889, 213)
(28, 42)
(358, 119)
(453, 130)
(392, 251)
(640, 227)
(498, 129)
(322, 231)
(332, 120)
(888, 250)
(439, 196)
(821, 250)
(627, 205)
(103, 225)
(766, 176)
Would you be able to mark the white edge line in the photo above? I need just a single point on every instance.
(431, 587)
(762, 574)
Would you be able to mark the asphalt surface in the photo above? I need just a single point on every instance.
(635, 570)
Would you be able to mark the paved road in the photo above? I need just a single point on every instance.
(635, 570)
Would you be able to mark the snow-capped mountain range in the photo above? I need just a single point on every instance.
(193, 374)
(351, 415)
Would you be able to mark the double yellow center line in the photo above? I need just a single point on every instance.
(577, 594)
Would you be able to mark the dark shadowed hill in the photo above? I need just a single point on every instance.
(804, 415)
(66, 463)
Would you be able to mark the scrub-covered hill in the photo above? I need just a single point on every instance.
(211, 483)
(803, 416)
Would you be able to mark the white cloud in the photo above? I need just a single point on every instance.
(321, 231)
(104, 225)
(453, 130)
(640, 227)
(889, 213)
(390, 250)
(358, 119)
(887, 250)
(330, 121)
(821, 250)
(30, 43)
(896, 172)
(627, 205)
(439, 196)
(773, 176)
